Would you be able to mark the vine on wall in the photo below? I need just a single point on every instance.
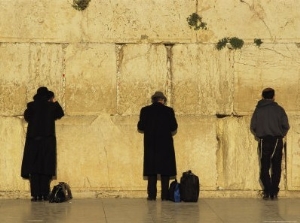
(80, 5)
(258, 42)
(231, 43)
(195, 21)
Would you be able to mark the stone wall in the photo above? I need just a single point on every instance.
(105, 62)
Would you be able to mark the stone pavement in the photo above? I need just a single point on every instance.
(138, 210)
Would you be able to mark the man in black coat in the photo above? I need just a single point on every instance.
(158, 123)
(39, 157)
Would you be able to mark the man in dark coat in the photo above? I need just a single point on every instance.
(270, 125)
(158, 123)
(39, 157)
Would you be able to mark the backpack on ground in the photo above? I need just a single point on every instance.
(60, 193)
(189, 187)
(174, 191)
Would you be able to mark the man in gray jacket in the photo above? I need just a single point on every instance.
(270, 125)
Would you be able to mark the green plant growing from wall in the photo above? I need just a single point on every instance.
(195, 21)
(236, 43)
(80, 5)
(222, 43)
(258, 42)
(232, 43)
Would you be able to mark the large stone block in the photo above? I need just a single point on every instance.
(144, 21)
(100, 153)
(24, 68)
(14, 61)
(42, 21)
(12, 137)
(238, 160)
(239, 157)
(147, 21)
(251, 19)
(142, 71)
(201, 80)
(108, 22)
(275, 66)
(90, 79)
(195, 147)
(293, 154)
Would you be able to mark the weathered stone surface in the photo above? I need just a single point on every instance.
(90, 79)
(110, 22)
(275, 66)
(147, 21)
(105, 62)
(144, 21)
(100, 152)
(252, 19)
(42, 21)
(25, 67)
(202, 80)
(196, 146)
(292, 155)
(142, 71)
(238, 161)
(107, 152)
(11, 144)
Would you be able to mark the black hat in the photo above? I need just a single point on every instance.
(159, 94)
(42, 93)
(50, 94)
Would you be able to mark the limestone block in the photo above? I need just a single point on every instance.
(195, 149)
(100, 153)
(13, 73)
(24, 68)
(151, 21)
(292, 154)
(90, 79)
(201, 80)
(249, 19)
(12, 99)
(142, 71)
(144, 21)
(275, 66)
(46, 69)
(117, 21)
(42, 21)
(237, 162)
(12, 138)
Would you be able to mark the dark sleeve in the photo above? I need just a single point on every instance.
(28, 113)
(142, 121)
(173, 124)
(59, 113)
(253, 123)
(285, 123)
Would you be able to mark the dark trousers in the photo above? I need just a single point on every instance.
(39, 185)
(152, 186)
(270, 161)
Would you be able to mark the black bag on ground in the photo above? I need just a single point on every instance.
(174, 191)
(60, 193)
(189, 187)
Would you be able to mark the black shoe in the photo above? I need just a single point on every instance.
(151, 198)
(40, 198)
(164, 198)
(273, 197)
(46, 198)
(266, 197)
(34, 199)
